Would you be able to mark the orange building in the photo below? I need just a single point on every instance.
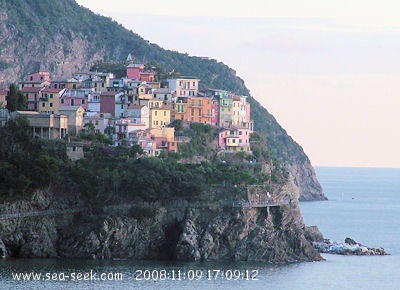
(199, 109)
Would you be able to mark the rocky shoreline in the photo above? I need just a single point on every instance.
(349, 247)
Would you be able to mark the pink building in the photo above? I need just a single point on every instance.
(147, 76)
(41, 76)
(136, 71)
(234, 139)
(133, 70)
(77, 97)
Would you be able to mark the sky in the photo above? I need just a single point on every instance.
(329, 71)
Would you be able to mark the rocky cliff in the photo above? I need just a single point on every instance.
(180, 230)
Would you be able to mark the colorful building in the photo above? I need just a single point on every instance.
(133, 70)
(199, 109)
(32, 95)
(139, 114)
(179, 109)
(75, 97)
(160, 116)
(49, 101)
(234, 138)
(184, 86)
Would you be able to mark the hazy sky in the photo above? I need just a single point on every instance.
(329, 71)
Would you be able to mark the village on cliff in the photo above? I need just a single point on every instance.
(136, 109)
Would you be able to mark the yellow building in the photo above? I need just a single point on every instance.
(49, 101)
(160, 116)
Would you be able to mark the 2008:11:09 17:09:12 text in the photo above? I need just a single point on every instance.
(177, 275)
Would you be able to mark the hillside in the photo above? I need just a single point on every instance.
(62, 37)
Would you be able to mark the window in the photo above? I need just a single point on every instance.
(155, 113)
(43, 105)
(192, 112)
(51, 96)
(194, 84)
(156, 122)
(55, 86)
(240, 140)
(200, 103)
(165, 113)
(31, 78)
(122, 106)
(72, 102)
(240, 132)
(51, 105)
(83, 101)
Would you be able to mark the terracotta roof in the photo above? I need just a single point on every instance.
(31, 89)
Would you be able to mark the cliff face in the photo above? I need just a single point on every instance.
(180, 230)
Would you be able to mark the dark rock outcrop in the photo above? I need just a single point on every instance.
(349, 247)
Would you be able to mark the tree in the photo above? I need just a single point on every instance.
(16, 100)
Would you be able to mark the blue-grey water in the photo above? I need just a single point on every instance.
(364, 204)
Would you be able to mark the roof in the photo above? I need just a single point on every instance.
(51, 90)
(31, 89)
(163, 91)
(59, 81)
(136, 65)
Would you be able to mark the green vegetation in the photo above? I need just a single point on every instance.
(16, 100)
(114, 174)
(25, 163)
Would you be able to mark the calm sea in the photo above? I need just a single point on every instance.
(364, 204)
